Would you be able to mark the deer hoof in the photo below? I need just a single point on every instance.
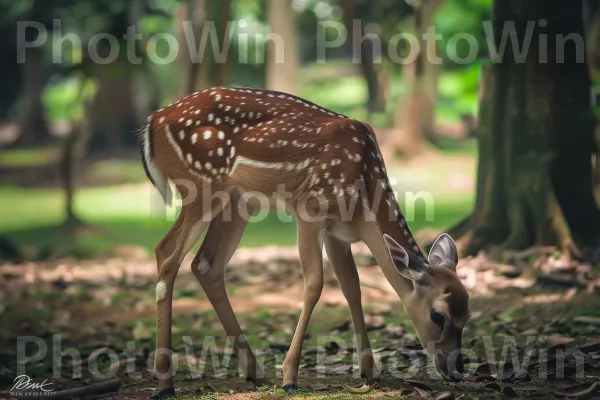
(258, 382)
(164, 394)
(290, 387)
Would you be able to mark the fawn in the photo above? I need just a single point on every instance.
(328, 171)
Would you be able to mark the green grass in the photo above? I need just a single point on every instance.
(133, 215)
(29, 157)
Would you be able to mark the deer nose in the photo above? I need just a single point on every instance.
(450, 366)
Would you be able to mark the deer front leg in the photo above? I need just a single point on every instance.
(180, 239)
(342, 263)
(209, 266)
(311, 258)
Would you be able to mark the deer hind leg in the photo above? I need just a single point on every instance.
(342, 263)
(310, 246)
(169, 255)
(209, 266)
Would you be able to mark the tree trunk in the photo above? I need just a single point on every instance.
(73, 150)
(67, 167)
(283, 59)
(188, 69)
(430, 73)
(594, 64)
(534, 185)
(214, 68)
(33, 125)
(374, 77)
(416, 113)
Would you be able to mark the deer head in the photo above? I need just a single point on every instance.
(438, 304)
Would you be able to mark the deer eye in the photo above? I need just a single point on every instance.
(438, 318)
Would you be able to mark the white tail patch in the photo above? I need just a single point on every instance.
(161, 182)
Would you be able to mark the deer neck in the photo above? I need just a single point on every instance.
(387, 218)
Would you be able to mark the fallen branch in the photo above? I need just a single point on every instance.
(556, 280)
(93, 389)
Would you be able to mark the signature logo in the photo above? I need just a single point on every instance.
(23, 383)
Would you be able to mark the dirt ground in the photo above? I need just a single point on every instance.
(97, 308)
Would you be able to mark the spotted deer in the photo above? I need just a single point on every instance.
(219, 145)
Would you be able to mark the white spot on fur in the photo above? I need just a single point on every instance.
(161, 291)
(203, 266)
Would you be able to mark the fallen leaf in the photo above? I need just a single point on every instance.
(343, 327)
(577, 391)
(444, 396)
(556, 339)
(418, 384)
(339, 369)
(494, 386)
(358, 390)
(321, 388)
(530, 332)
(590, 348)
(587, 320)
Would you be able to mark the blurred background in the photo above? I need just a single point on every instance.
(71, 180)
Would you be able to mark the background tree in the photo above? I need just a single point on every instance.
(416, 112)
(282, 53)
(535, 175)
(359, 41)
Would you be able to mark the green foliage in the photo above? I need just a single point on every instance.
(458, 89)
(462, 17)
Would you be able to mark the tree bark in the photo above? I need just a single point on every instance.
(33, 124)
(214, 67)
(283, 60)
(534, 185)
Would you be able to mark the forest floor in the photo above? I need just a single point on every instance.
(70, 295)
(92, 310)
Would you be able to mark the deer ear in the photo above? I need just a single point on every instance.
(443, 252)
(401, 260)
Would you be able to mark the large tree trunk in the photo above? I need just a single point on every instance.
(283, 61)
(594, 64)
(534, 175)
